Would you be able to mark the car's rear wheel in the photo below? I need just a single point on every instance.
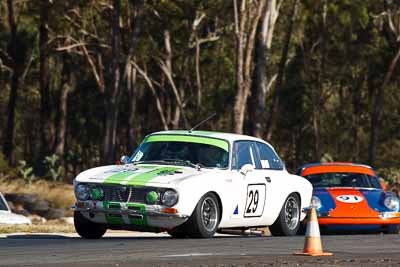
(88, 229)
(288, 221)
(205, 218)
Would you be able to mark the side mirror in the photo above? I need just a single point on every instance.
(124, 159)
(246, 168)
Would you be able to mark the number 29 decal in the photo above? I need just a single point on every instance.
(255, 200)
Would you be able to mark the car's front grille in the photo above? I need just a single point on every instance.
(125, 194)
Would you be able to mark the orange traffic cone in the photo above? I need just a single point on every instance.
(313, 244)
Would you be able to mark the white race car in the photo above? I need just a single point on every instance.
(8, 217)
(192, 183)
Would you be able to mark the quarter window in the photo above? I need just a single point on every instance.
(269, 159)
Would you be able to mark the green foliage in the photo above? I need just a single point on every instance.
(326, 158)
(336, 62)
(3, 163)
(26, 172)
(53, 167)
(390, 175)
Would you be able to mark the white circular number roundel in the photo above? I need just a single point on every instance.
(349, 198)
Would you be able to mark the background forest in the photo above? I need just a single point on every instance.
(82, 82)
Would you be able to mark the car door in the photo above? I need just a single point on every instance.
(250, 186)
(272, 171)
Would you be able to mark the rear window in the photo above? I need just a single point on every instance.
(343, 180)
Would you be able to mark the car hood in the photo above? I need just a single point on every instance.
(139, 175)
(343, 202)
(7, 217)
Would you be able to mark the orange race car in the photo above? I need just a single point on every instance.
(350, 197)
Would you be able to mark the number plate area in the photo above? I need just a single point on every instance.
(255, 200)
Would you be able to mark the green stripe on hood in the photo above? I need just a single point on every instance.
(143, 178)
(118, 177)
(190, 139)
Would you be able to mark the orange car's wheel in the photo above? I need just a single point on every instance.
(392, 229)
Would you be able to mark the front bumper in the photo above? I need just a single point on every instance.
(118, 213)
(383, 219)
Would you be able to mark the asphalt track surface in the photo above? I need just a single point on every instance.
(161, 250)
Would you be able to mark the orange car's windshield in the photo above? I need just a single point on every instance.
(335, 179)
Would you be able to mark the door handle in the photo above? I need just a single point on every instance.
(268, 179)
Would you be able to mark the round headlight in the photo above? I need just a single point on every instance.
(96, 193)
(82, 192)
(169, 198)
(315, 202)
(392, 203)
(152, 197)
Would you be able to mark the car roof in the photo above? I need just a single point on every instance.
(326, 167)
(231, 137)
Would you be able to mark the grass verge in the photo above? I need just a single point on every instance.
(60, 195)
(52, 226)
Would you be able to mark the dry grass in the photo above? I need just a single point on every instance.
(53, 226)
(58, 194)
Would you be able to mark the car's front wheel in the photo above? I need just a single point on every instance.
(88, 229)
(178, 232)
(288, 221)
(205, 218)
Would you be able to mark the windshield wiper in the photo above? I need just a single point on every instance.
(170, 162)
(184, 162)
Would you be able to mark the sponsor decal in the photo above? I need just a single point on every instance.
(349, 198)
(138, 156)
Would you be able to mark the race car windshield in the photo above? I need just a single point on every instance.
(343, 180)
(175, 152)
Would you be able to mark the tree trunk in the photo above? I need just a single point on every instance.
(317, 93)
(132, 123)
(356, 94)
(166, 67)
(168, 70)
(247, 18)
(263, 47)
(8, 148)
(67, 85)
(62, 121)
(377, 108)
(131, 76)
(46, 141)
(274, 108)
(113, 95)
(198, 74)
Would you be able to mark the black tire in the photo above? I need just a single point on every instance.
(178, 232)
(302, 228)
(88, 229)
(205, 218)
(288, 221)
(392, 229)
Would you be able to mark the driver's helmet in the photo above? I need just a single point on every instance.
(175, 150)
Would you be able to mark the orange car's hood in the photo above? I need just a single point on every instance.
(351, 202)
